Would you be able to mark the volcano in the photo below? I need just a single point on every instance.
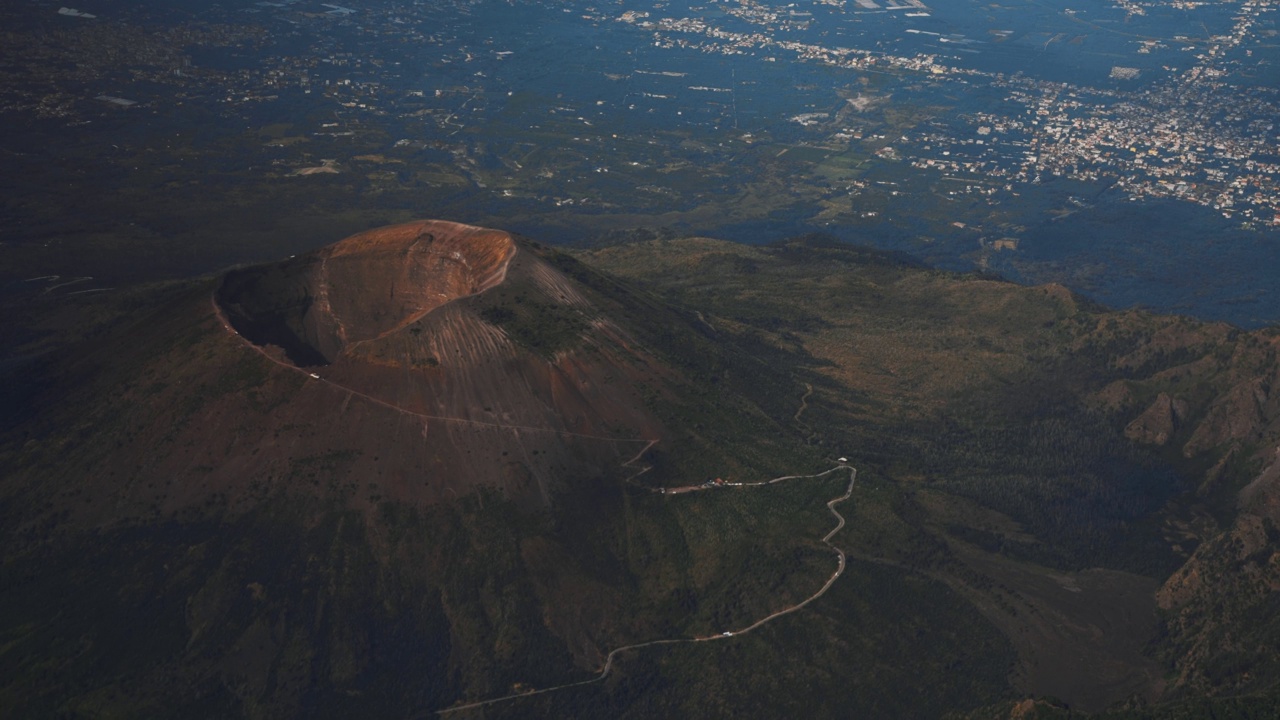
(499, 368)
(420, 452)
(427, 359)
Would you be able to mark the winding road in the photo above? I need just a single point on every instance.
(640, 469)
(613, 654)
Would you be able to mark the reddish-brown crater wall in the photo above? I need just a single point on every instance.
(362, 288)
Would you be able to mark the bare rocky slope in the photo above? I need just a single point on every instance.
(429, 359)
(412, 464)
(501, 368)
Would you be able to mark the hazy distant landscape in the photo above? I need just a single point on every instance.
(1127, 150)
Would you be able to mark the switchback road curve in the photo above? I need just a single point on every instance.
(726, 635)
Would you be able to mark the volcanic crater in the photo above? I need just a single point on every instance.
(363, 288)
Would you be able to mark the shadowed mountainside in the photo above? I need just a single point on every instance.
(406, 471)
(254, 535)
